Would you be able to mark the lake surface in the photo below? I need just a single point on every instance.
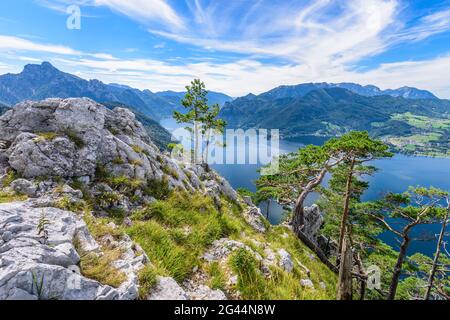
(394, 175)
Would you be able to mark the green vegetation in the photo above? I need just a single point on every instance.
(427, 135)
(177, 231)
(159, 189)
(137, 149)
(6, 197)
(10, 176)
(423, 122)
(216, 275)
(47, 136)
(118, 160)
(356, 225)
(147, 280)
(99, 267)
(333, 112)
(73, 136)
(202, 118)
(171, 172)
(65, 203)
(251, 282)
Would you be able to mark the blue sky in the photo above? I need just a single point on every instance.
(235, 46)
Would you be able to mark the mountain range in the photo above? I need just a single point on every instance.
(416, 116)
(409, 125)
(40, 81)
(301, 90)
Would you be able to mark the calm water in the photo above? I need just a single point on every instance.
(394, 175)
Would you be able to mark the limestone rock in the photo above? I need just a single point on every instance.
(70, 139)
(221, 249)
(307, 283)
(28, 264)
(203, 292)
(255, 218)
(167, 289)
(25, 187)
(285, 260)
(313, 222)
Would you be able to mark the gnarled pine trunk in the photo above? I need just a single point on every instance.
(398, 267)
(436, 256)
(345, 288)
(298, 220)
(348, 193)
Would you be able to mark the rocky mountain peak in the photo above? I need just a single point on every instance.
(44, 66)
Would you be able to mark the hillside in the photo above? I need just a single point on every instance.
(335, 111)
(91, 209)
(176, 97)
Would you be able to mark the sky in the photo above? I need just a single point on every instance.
(234, 46)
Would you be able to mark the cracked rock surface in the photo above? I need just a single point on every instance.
(32, 267)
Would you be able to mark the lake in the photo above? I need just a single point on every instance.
(394, 175)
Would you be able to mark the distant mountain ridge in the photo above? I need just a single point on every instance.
(38, 82)
(305, 110)
(298, 91)
(213, 97)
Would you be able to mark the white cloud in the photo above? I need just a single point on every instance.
(318, 34)
(14, 43)
(320, 41)
(244, 76)
(236, 78)
(144, 11)
(323, 34)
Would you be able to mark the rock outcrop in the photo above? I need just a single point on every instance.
(74, 139)
(41, 262)
(313, 222)
(49, 147)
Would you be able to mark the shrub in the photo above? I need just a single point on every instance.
(47, 136)
(11, 197)
(10, 177)
(217, 276)
(108, 199)
(137, 149)
(125, 184)
(65, 203)
(251, 282)
(99, 227)
(73, 136)
(118, 160)
(101, 174)
(147, 280)
(99, 267)
(159, 189)
(171, 172)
